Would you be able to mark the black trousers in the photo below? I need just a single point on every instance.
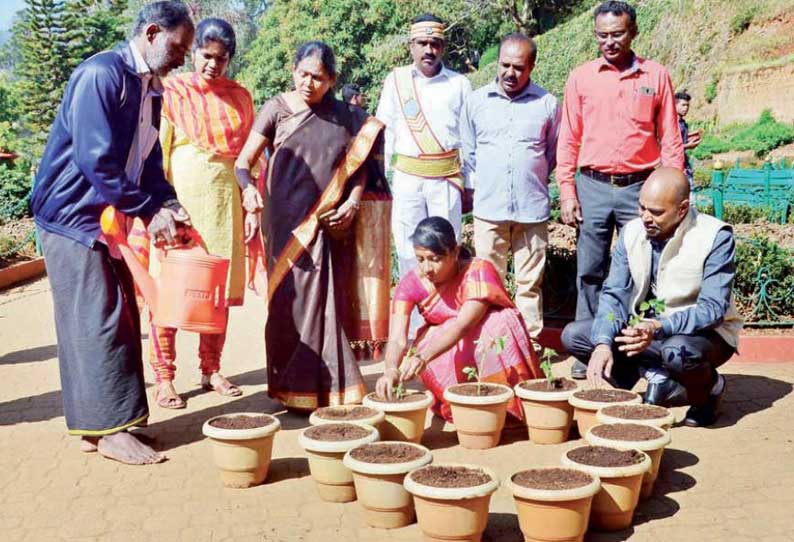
(689, 359)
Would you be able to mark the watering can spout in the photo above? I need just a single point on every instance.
(112, 224)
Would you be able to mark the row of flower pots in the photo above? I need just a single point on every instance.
(346, 462)
(549, 408)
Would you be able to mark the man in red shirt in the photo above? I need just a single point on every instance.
(619, 123)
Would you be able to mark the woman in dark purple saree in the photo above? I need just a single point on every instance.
(325, 223)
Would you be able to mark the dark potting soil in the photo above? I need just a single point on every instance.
(337, 432)
(558, 384)
(439, 476)
(386, 453)
(242, 421)
(626, 431)
(409, 398)
(486, 390)
(636, 412)
(605, 396)
(345, 414)
(553, 479)
(604, 456)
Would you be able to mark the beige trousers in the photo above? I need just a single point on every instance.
(494, 241)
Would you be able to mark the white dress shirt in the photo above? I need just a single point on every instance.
(442, 98)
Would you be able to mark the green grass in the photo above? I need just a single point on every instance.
(760, 137)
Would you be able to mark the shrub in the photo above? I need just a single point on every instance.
(762, 136)
(762, 262)
(710, 94)
(741, 21)
(491, 54)
(15, 184)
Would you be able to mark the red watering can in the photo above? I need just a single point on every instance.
(190, 293)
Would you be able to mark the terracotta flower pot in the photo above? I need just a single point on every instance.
(452, 513)
(648, 439)
(614, 504)
(479, 419)
(242, 455)
(655, 416)
(333, 479)
(547, 511)
(587, 402)
(405, 420)
(357, 414)
(379, 484)
(548, 413)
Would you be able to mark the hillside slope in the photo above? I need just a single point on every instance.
(704, 44)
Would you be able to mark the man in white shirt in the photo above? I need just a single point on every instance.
(421, 105)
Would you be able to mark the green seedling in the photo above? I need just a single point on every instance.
(656, 305)
(495, 344)
(399, 389)
(545, 365)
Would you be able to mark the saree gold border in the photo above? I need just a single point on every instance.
(310, 401)
(102, 432)
(304, 234)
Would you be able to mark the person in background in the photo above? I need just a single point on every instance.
(103, 150)
(351, 94)
(618, 124)
(206, 120)
(326, 231)
(691, 139)
(671, 254)
(421, 105)
(463, 301)
(509, 134)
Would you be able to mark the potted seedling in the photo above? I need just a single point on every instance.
(242, 446)
(547, 412)
(326, 446)
(621, 473)
(405, 413)
(633, 436)
(452, 500)
(379, 470)
(553, 503)
(479, 408)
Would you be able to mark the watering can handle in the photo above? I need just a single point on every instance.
(111, 224)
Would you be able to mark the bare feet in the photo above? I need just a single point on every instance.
(217, 382)
(88, 444)
(167, 397)
(125, 448)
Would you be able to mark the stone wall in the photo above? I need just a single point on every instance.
(743, 95)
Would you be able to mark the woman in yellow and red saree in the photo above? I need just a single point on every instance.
(463, 301)
(325, 222)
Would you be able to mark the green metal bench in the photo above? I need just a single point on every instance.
(770, 188)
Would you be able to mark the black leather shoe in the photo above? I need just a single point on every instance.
(667, 394)
(705, 415)
(578, 370)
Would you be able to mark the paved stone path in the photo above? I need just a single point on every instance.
(733, 482)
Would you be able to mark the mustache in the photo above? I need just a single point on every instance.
(428, 57)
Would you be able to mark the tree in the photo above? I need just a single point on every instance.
(528, 16)
(52, 37)
(369, 39)
(39, 38)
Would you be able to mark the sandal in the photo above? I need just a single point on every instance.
(224, 388)
(166, 400)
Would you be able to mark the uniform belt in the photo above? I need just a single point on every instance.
(431, 166)
(619, 179)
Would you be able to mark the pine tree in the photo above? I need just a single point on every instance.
(42, 70)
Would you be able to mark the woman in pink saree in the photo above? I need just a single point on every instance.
(463, 302)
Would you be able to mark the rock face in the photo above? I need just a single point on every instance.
(744, 94)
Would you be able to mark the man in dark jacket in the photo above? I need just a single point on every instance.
(103, 150)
